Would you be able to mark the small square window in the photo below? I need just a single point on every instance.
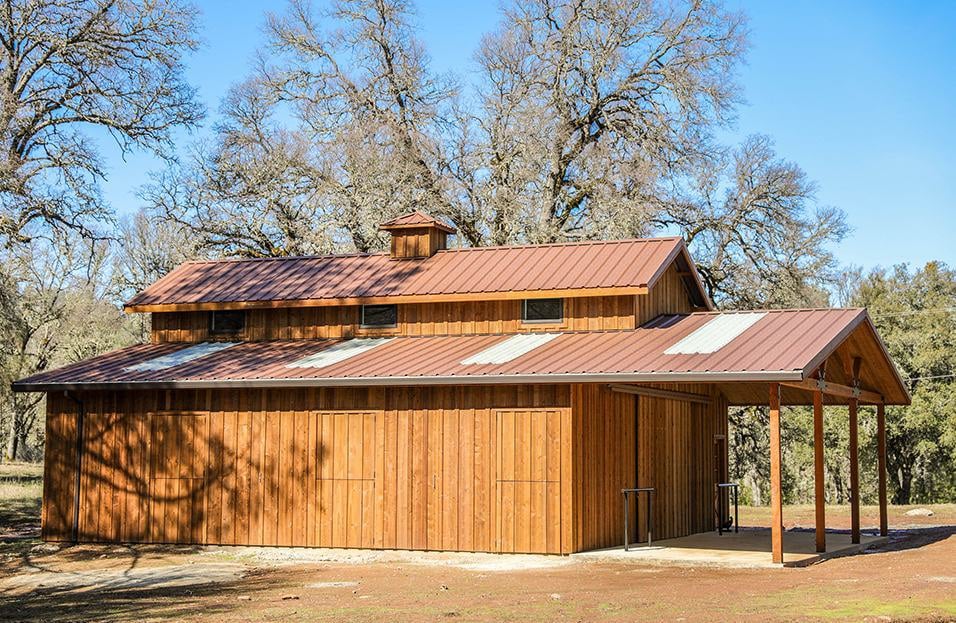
(227, 322)
(542, 310)
(379, 316)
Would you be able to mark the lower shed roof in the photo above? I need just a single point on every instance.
(739, 351)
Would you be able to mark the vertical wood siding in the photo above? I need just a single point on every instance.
(604, 463)
(417, 242)
(668, 296)
(674, 454)
(535, 468)
(581, 314)
(406, 468)
(676, 457)
(596, 313)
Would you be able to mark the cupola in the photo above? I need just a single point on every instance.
(417, 235)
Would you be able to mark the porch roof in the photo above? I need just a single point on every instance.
(740, 355)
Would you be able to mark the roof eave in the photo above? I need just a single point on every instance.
(862, 318)
(386, 300)
(398, 381)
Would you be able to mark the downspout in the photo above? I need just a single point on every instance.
(81, 415)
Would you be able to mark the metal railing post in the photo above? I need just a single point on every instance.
(650, 504)
(626, 530)
(721, 517)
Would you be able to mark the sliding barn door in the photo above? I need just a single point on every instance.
(346, 477)
(177, 455)
(528, 506)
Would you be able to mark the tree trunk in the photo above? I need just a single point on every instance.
(905, 489)
(13, 441)
(839, 486)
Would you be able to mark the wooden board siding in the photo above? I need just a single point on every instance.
(676, 457)
(603, 462)
(417, 242)
(403, 468)
(668, 296)
(581, 314)
(418, 468)
(528, 480)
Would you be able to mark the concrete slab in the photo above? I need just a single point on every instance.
(749, 548)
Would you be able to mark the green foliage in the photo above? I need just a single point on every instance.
(915, 313)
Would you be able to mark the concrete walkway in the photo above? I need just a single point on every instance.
(749, 548)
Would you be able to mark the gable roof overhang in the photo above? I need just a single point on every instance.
(604, 268)
(781, 346)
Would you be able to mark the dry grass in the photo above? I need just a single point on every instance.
(838, 517)
(21, 486)
(16, 470)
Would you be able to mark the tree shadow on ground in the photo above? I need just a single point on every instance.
(912, 538)
(19, 519)
(212, 600)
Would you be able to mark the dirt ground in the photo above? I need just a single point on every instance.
(912, 578)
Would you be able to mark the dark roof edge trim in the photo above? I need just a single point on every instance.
(510, 379)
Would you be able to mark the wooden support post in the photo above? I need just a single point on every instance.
(776, 491)
(818, 482)
(854, 475)
(881, 462)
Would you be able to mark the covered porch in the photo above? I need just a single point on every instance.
(850, 371)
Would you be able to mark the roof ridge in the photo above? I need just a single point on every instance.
(765, 310)
(567, 243)
(577, 243)
(227, 260)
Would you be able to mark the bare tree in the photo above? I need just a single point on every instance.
(593, 119)
(53, 311)
(757, 234)
(363, 90)
(586, 105)
(66, 64)
(334, 132)
(253, 192)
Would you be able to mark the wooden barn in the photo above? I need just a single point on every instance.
(477, 399)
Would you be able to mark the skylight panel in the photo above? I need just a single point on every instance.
(180, 356)
(510, 349)
(339, 352)
(716, 334)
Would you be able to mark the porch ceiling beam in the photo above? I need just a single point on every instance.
(836, 389)
(654, 392)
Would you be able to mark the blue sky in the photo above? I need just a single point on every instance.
(861, 94)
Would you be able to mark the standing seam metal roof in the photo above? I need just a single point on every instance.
(781, 345)
(479, 270)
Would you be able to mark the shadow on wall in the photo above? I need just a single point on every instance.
(207, 468)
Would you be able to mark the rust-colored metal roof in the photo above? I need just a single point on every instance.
(620, 264)
(784, 345)
(414, 220)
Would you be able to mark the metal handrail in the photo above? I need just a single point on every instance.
(720, 506)
(650, 505)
